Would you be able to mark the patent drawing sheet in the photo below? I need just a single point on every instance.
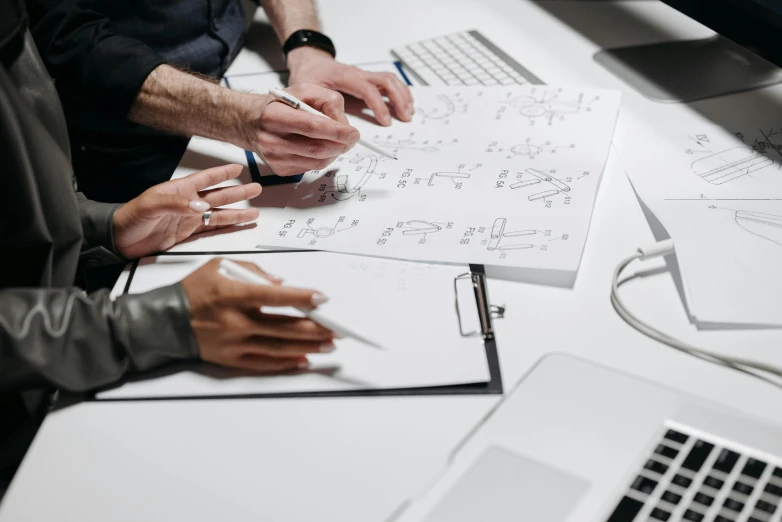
(407, 307)
(718, 193)
(493, 175)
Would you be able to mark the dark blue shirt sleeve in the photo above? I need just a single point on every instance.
(84, 55)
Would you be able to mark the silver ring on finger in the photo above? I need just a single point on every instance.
(207, 217)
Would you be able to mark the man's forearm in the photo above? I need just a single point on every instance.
(182, 103)
(288, 16)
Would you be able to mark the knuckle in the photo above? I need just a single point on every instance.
(315, 149)
(314, 125)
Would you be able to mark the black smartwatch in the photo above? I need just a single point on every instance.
(307, 38)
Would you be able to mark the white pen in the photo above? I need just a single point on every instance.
(296, 103)
(240, 273)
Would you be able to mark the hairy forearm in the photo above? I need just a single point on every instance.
(288, 16)
(183, 103)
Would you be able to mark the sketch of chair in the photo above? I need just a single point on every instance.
(452, 175)
(420, 227)
(730, 164)
(767, 226)
(498, 234)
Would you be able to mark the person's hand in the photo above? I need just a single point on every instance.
(231, 330)
(169, 213)
(291, 141)
(308, 64)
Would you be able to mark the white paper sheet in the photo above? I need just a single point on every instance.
(408, 307)
(500, 176)
(718, 193)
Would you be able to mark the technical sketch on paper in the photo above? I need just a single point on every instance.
(411, 143)
(760, 224)
(528, 149)
(365, 168)
(456, 178)
(546, 104)
(447, 106)
(418, 227)
(498, 237)
(438, 201)
(324, 231)
(727, 165)
(533, 177)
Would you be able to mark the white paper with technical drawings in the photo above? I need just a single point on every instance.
(718, 193)
(500, 176)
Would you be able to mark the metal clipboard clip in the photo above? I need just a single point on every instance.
(486, 312)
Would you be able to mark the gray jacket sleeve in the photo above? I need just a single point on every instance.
(97, 223)
(67, 339)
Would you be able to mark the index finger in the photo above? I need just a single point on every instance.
(214, 176)
(287, 120)
(398, 93)
(249, 295)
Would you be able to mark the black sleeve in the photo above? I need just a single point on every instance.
(80, 49)
(67, 339)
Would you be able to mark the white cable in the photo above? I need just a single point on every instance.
(660, 249)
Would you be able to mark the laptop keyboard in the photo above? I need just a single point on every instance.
(689, 478)
(466, 58)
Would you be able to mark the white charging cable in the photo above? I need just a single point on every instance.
(663, 248)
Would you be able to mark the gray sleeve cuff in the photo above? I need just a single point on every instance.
(97, 223)
(155, 327)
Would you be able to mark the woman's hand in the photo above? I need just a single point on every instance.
(232, 331)
(173, 211)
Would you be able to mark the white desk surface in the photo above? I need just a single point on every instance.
(358, 459)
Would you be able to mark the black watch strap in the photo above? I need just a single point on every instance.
(307, 38)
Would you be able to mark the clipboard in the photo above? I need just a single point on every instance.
(271, 180)
(474, 279)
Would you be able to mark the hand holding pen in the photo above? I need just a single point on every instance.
(295, 103)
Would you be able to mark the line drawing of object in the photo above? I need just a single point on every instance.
(527, 183)
(498, 234)
(436, 113)
(532, 151)
(542, 176)
(548, 105)
(317, 232)
(766, 226)
(539, 176)
(449, 105)
(450, 175)
(341, 191)
(409, 143)
(322, 232)
(543, 195)
(420, 227)
(730, 164)
(769, 137)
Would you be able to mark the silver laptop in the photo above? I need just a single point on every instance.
(580, 442)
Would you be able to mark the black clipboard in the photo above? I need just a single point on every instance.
(476, 277)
